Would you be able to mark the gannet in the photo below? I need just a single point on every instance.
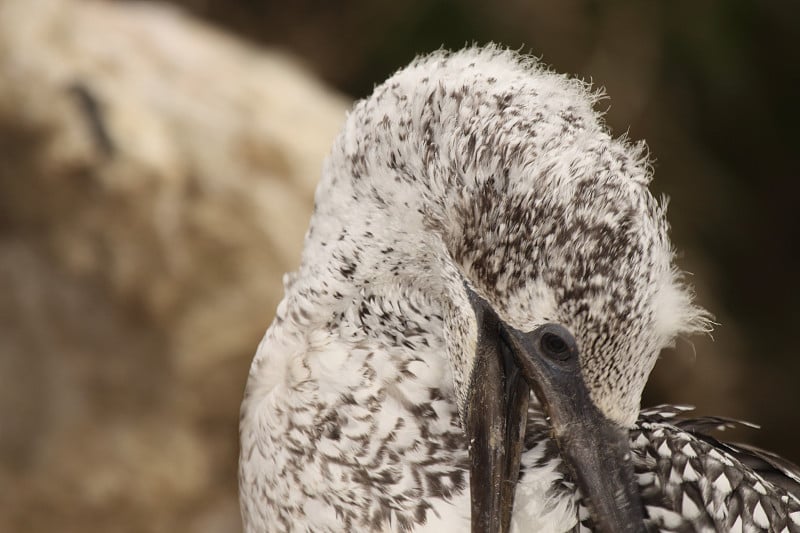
(485, 286)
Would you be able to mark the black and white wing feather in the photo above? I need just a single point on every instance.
(691, 481)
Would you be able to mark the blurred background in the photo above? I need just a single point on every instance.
(157, 167)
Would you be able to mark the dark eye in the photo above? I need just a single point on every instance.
(554, 346)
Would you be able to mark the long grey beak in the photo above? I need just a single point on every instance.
(595, 448)
(495, 425)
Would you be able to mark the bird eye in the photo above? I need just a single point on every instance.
(554, 346)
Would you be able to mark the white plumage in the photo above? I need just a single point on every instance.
(477, 171)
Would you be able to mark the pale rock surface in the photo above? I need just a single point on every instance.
(156, 179)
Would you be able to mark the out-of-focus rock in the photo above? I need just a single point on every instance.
(156, 179)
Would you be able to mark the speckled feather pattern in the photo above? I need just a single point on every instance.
(482, 168)
(691, 482)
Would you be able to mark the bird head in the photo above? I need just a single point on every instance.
(493, 183)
